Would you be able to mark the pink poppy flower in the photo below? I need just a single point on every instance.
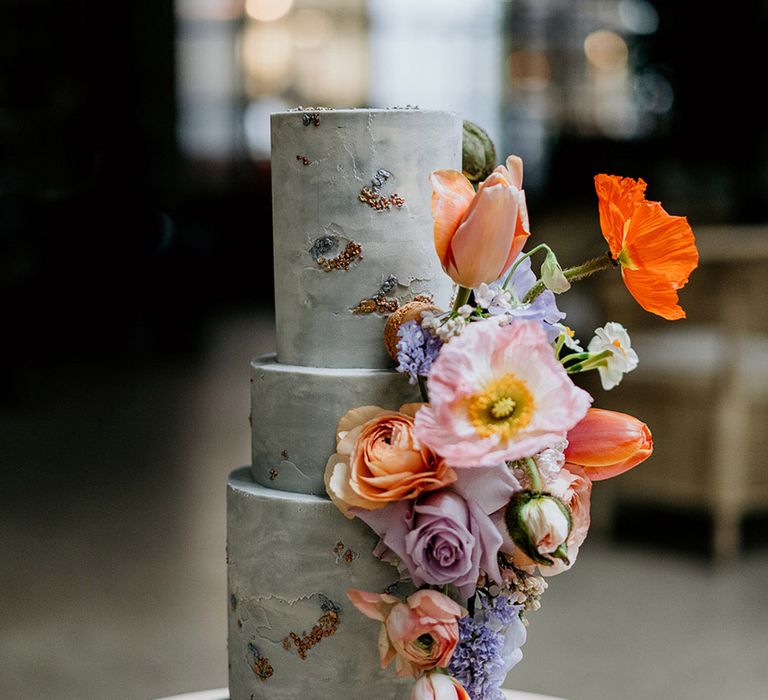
(497, 393)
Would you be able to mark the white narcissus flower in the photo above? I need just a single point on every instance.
(614, 338)
(569, 337)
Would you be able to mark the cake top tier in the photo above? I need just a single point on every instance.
(352, 226)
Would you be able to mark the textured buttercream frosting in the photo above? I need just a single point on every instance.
(293, 633)
(341, 264)
(352, 242)
(295, 411)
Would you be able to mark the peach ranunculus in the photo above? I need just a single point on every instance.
(479, 234)
(438, 686)
(377, 460)
(419, 634)
(608, 443)
(655, 250)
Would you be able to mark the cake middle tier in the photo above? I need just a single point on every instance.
(295, 411)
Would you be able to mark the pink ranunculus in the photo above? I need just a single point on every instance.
(420, 634)
(478, 235)
(439, 539)
(498, 393)
(438, 686)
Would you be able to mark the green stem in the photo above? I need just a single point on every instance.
(541, 246)
(462, 297)
(559, 345)
(574, 274)
(423, 389)
(575, 356)
(533, 474)
(592, 361)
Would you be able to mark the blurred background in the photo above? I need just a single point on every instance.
(136, 279)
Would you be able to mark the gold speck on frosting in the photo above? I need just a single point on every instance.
(326, 626)
(378, 304)
(380, 202)
(352, 251)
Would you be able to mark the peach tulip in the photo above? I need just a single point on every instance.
(608, 443)
(478, 235)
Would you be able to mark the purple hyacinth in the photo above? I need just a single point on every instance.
(417, 349)
(489, 646)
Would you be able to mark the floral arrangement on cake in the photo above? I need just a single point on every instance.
(483, 490)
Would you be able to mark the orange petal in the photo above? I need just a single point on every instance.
(617, 198)
(452, 194)
(655, 293)
(659, 242)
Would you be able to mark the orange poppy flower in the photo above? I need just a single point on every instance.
(656, 251)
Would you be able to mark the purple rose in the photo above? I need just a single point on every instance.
(440, 538)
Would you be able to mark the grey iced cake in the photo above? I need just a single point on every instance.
(352, 240)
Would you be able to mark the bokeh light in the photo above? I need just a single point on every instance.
(268, 10)
(606, 50)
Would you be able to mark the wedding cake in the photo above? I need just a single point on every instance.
(353, 242)
(399, 520)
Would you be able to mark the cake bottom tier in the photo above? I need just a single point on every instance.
(293, 633)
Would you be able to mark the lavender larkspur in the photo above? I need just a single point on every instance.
(489, 646)
(417, 349)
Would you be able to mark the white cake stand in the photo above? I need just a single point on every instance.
(223, 694)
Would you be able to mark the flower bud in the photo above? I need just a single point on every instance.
(552, 275)
(539, 525)
(478, 154)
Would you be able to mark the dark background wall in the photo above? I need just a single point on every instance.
(112, 244)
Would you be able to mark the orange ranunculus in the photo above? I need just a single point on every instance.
(608, 443)
(656, 251)
(377, 460)
(478, 235)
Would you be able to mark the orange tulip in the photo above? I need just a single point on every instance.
(608, 443)
(656, 251)
(478, 235)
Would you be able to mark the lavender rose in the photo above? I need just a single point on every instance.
(439, 539)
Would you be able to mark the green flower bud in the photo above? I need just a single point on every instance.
(478, 154)
(552, 275)
(539, 525)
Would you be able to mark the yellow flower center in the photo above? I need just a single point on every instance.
(504, 407)
(617, 343)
